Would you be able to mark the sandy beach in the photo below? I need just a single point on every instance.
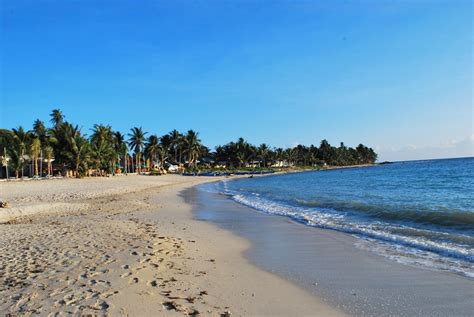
(130, 246)
(236, 158)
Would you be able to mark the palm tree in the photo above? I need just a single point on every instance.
(102, 141)
(162, 154)
(64, 145)
(325, 152)
(302, 154)
(241, 157)
(137, 142)
(263, 151)
(35, 150)
(152, 147)
(121, 148)
(193, 147)
(182, 148)
(78, 154)
(57, 117)
(21, 139)
(291, 156)
(279, 155)
(102, 157)
(59, 139)
(17, 163)
(102, 134)
(40, 131)
(176, 142)
(241, 149)
(49, 157)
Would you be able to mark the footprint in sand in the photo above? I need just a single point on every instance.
(109, 293)
(153, 283)
(100, 305)
(133, 280)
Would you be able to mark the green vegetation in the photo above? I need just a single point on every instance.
(63, 149)
(241, 154)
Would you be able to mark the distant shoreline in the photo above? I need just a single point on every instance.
(232, 173)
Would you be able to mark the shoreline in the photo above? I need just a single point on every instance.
(316, 259)
(132, 251)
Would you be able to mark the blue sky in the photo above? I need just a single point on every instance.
(395, 75)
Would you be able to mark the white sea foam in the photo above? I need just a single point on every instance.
(415, 257)
(413, 250)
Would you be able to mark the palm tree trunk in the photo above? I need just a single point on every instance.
(22, 167)
(124, 165)
(36, 166)
(139, 161)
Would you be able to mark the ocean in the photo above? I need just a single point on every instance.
(417, 213)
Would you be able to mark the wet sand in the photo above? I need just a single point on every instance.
(130, 246)
(328, 264)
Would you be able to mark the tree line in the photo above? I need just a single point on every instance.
(63, 148)
(241, 154)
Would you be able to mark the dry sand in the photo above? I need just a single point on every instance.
(129, 246)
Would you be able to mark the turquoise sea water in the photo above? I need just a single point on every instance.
(418, 213)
